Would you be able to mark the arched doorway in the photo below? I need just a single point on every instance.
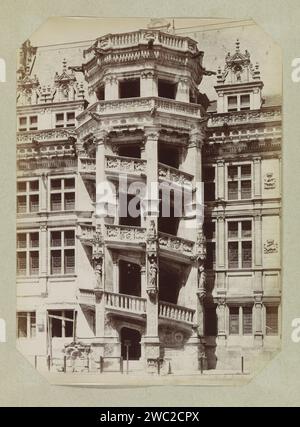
(132, 337)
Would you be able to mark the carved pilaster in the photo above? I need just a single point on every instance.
(98, 257)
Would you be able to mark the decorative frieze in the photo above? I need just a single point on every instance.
(125, 233)
(174, 175)
(176, 244)
(125, 164)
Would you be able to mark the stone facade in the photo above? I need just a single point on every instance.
(171, 291)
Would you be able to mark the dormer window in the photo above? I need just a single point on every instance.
(238, 103)
(65, 119)
(28, 123)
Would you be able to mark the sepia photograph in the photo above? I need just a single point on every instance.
(148, 200)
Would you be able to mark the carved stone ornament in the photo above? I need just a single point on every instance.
(152, 276)
(270, 246)
(269, 181)
(201, 282)
(97, 256)
(201, 245)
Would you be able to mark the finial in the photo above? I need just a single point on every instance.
(237, 45)
(64, 64)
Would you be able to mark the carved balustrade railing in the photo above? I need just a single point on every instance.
(176, 312)
(140, 105)
(129, 303)
(176, 244)
(124, 233)
(120, 164)
(174, 175)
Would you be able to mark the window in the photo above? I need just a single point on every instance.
(28, 254)
(239, 234)
(62, 250)
(129, 88)
(247, 320)
(62, 194)
(28, 123)
(245, 102)
(233, 320)
(239, 179)
(166, 89)
(61, 323)
(100, 93)
(240, 320)
(28, 196)
(209, 183)
(232, 103)
(65, 119)
(26, 324)
(210, 234)
(271, 320)
(238, 102)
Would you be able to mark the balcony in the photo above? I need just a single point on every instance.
(270, 114)
(87, 166)
(137, 110)
(125, 303)
(174, 176)
(44, 135)
(136, 306)
(118, 235)
(175, 246)
(115, 165)
(125, 235)
(176, 312)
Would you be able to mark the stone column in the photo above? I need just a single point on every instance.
(257, 234)
(220, 187)
(257, 177)
(111, 88)
(151, 201)
(151, 212)
(143, 277)
(221, 314)
(115, 261)
(192, 164)
(148, 83)
(221, 233)
(44, 193)
(258, 317)
(183, 90)
(43, 254)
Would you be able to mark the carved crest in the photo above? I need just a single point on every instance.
(270, 246)
(269, 181)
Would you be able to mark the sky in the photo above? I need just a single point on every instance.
(66, 37)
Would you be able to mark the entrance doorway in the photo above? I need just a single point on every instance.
(132, 337)
(129, 278)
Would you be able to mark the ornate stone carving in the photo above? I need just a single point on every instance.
(201, 245)
(97, 256)
(201, 282)
(269, 181)
(270, 246)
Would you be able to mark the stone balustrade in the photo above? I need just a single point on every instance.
(176, 312)
(87, 165)
(43, 135)
(129, 303)
(248, 116)
(120, 164)
(130, 39)
(174, 175)
(124, 233)
(176, 244)
(151, 105)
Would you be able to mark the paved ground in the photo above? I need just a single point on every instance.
(141, 379)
